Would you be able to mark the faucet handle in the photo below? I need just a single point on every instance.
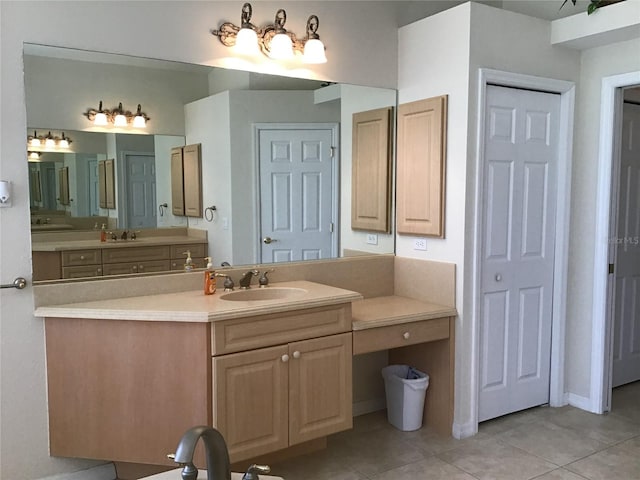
(254, 470)
(264, 280)
(228, 282)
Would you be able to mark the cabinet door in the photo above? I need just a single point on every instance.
(110, 183)
(320, 393)
(421, 146)
(177, 185)
(371, 171)
(102, 184)
(192, 172)
(250, 403)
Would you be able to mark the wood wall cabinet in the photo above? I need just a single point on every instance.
(421, 150)
(186, 181)
(63, 186)
(106, 184)
(371, 170)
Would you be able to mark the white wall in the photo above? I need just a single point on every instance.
(171, 30)
(442, 45)
(595, 64)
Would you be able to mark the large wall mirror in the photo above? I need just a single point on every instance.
(243, 122)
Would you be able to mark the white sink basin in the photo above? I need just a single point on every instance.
(261, 294)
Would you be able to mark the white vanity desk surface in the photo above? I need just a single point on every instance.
(202, 475)
(195, 306)
(62, 245)
(394, 310)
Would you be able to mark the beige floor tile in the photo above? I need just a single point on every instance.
(613, 463)
(517, 419)
(610, 429)
(492, 460)
(431, 468)
(552, 442)
(323, 465)
(560, 474)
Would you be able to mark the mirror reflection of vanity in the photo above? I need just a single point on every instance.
(227, 113)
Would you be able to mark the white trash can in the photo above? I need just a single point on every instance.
(405, 389)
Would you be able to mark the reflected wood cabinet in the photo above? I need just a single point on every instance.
(266, 382)
(371, 171)
(186, 181)
(421, 148)
(106, 184)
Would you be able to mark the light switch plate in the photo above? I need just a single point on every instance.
(372, 239)
(419, 243)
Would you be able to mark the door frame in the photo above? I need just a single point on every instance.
(335, 176)
(608, 161)
(561, 259)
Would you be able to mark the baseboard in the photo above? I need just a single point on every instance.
(464, 430)
(578, 401)
(369, 406)
(101, 472)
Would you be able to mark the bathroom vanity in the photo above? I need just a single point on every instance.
(268, 374)
(270, 368)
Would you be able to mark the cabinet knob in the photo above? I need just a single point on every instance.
(99, 270)
(296, 354)
(134, 268)
(406, 335)
(141, 267)
(81, 257)
(285, 358)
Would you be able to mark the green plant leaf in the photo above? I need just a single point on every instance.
(593, 6)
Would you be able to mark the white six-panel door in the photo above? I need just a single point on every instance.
(296, 194)
(141, 190)
(520, 171)
(626, 339)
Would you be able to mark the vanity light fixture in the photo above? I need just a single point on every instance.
(273, 40)
(33, 156)
(118, 117)
(48, 141)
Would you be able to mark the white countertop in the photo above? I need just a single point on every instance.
(195, 306)
(202, 475)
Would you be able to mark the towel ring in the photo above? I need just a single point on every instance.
(209, 213)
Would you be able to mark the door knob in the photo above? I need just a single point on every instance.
(498, 277)
(268, 240)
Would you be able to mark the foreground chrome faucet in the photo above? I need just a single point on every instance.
(216, 453)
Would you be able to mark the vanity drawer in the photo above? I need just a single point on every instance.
(196, 249)
(71, 258)
(259, 331)
(135, 254)
(136, 267)
(394, 336)
(82, 271)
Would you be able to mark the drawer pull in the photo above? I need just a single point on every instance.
(285, 358)
(406, 335)
(296, 354)
(141, 267)
(81, 257)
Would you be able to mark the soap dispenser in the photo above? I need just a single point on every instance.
(209, 278)
(188, 263)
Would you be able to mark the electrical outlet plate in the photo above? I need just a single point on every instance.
(419, 243)
(372, 239)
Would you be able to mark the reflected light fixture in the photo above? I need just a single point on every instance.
(48, 142)
(273, 40)
(118, 117)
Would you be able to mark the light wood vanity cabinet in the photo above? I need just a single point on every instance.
(272, 398)
(125, 390)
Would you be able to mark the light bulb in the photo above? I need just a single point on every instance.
(314, 51)
(63, 143)
(139, 122)
(281, 47)
(100, 119)
(49, 141)
(120, 120)
(34, 155)
(247, 42)
(35, 142)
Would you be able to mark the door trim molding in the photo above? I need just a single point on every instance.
(335, 175)
(601, 335)
(565, 145)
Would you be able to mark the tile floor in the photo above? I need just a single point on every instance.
(542, 443)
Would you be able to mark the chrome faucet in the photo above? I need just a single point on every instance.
(216, 453)
(245, 281)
